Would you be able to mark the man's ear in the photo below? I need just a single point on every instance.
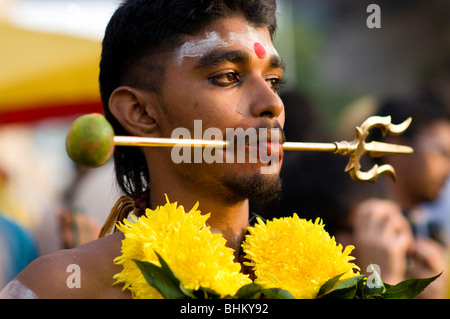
(134, 109)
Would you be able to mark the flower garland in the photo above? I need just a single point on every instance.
(197, 257)
(300, 268)
(168, 253)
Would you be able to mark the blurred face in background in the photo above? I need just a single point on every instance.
(430, 164)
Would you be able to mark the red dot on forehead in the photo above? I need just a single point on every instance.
(259, 50)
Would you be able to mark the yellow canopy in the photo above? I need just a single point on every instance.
(43, 74)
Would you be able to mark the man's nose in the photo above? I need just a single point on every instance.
(265, 101)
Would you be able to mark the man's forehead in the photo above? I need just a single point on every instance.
(242, 36)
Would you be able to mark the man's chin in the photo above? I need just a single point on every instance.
(257, 188)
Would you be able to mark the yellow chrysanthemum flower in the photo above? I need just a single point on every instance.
(197, 257)
(296, 255)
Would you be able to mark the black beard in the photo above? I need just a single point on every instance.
(258, 188)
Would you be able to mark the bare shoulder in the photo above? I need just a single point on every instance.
(83, 272)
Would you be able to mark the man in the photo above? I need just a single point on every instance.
(165, 64)
(18, 249)
(421, 178)
(396, 236)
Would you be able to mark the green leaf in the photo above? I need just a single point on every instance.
(347, 293)
(209, 293)
(374, 287)
(249, 291)
(277, 293)
(254, 291)
(328, 285)
(343, 289)
(188, 293)
(201, 293)
(408, 288)
(161, 278)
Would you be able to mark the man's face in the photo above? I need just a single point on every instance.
(226, 76)
(431, 161)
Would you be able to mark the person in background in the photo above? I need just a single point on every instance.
(421, 179)
(400, 237)
(91, 194)
(17, 250)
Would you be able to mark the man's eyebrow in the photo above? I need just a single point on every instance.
(217, 57)
(276, 62)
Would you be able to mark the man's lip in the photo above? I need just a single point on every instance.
(265, 139)
(265, 135)
(269, 148)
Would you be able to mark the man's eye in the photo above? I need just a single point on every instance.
(275, 83)
(226, 79)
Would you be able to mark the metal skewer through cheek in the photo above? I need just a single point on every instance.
(355, 149)
(164, 142)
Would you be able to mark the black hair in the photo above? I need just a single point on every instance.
(139, 40)
(424, 109)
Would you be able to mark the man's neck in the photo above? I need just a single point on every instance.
(230, 221)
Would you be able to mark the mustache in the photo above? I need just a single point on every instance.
(265, 132)
(275, 126)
